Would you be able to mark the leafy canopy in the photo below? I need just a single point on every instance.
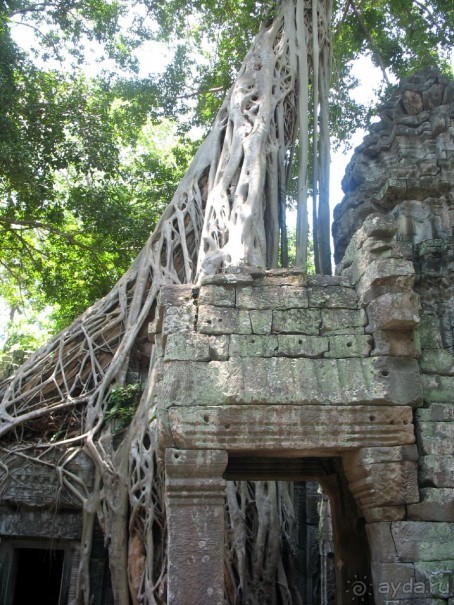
(87, 163)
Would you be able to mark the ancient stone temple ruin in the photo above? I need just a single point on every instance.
(344, 380)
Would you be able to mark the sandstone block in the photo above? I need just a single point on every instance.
(288, 430)
(439, 361)
(256, 297)
(33, 523)
(393, 312)
(179, 347)
(384, 484)
(302, 345)
(437, 389)
(349, 345)
(382, 545)
(384, 513)
(375, 455)
(396, 343)
(284, 277)
(436, 471)
(429, 333)
(410, 541)
(423, 540)
(300, 321)
(396, 581)
(179, 319)
(294, 298)
(175, 296)
(272, 297)
(343, 321)
(292, 381)
(436, 438)
(261, 321)
(438, 578)
(385, 276)
(412, 101)
(437, 504)
(222, 320)
(228, 279)
(219, 347)
(327, 280)
(254, 345)
(333, 297)
(436, 412)
(218, 296)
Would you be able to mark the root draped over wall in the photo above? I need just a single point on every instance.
(228, 210)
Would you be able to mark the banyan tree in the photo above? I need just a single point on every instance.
(229, 211)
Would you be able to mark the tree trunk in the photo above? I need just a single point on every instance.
(227, 211)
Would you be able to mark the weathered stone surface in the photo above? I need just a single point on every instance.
(383, 484)
(177, 295)
(292, 381)
(396, 581)
(25, 482)
(409, 541)
(373, 455)
(349, 345)
(302, 345)
(231, 279)
(40, 524)
(261, 321)
(429, 333)
(256, 297)
(181, 347)
(300, 321)
(437, 504)
(396, 343)
(436, 438)
(387, 276)
(393, 312)
(385, 513)
(436, 471)
(195, 520)
(423, 541)
(333, 297)
(220, 320)
(436, 412)
(297, 345)
(290, 429)
(439, 361)
(179, 319)
(217, 296)
(196, 347)
(437, 577)
(272, 297)
(437, 389)
(284, 277)
(254, 346)
(343, 321)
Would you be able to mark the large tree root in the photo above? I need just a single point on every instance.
(228, 210)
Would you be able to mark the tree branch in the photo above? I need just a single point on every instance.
(370, 40)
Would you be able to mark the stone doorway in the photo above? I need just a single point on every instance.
(338, 572)
(35, 571)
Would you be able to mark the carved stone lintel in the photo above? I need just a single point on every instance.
(195, 508)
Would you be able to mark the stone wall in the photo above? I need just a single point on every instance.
(403, 175)
(356, 368)
(282, 365)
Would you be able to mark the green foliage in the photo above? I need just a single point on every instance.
(400, 35)
(88, 163)
(123, 402)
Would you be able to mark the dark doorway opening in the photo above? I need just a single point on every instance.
(332, 549)
(39, 575)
